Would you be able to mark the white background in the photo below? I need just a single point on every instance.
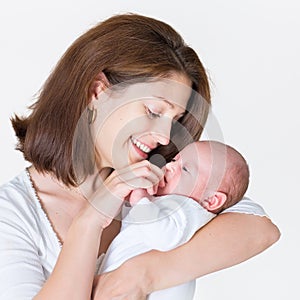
(251, 50)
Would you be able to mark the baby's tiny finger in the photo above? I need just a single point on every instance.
(162, 182)
(150, 191)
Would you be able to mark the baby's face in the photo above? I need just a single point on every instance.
(185, 175)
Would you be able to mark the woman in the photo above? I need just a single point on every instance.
(51, 237)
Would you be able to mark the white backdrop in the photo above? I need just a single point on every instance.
(251, 50)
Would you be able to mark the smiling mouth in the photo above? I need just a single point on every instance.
(140, 145)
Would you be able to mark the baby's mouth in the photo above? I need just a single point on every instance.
(165, 179)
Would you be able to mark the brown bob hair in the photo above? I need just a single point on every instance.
(124, 47)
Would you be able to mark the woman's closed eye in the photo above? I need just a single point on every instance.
(152, 114)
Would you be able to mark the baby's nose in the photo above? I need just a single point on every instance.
(170, 166)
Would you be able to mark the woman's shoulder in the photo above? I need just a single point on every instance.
(18, 202)
(24, 225)
(20, 209)
(17, 193)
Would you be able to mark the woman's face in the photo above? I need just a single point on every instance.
(135, 120)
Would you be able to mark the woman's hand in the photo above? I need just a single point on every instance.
(108, 199)
(131, 281)
(143, 174)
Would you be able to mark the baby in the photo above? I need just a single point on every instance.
(201, 181)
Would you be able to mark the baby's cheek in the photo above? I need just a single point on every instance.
(174, 185)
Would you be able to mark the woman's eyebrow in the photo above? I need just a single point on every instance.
(168, 102)
(165, 100)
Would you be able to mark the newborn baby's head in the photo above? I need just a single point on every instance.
(210, 172)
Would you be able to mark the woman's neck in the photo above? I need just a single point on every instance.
(93, 182)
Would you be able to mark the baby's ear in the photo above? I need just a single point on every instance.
(215, 201)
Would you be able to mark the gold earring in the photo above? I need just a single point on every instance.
(92, 113)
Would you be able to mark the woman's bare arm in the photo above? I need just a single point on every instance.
(73, 274)
(227, 240)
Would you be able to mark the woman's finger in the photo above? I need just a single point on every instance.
(142, 171)
(137, 183)
(141, 165)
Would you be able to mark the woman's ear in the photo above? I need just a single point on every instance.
(215, 201)
(99, 84)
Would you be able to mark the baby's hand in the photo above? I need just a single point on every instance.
(137, 195)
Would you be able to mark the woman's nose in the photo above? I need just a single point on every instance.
(161, 139)
(162, 131)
